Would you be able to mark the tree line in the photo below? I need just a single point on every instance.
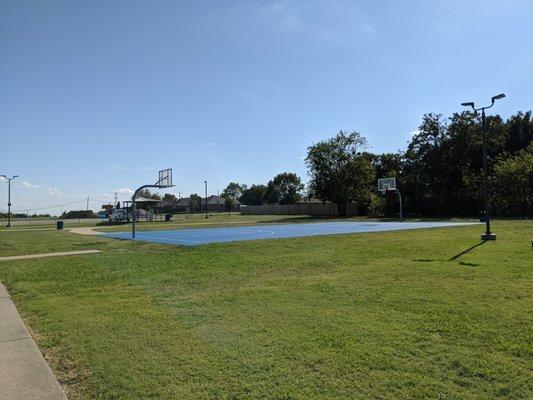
(440, 172)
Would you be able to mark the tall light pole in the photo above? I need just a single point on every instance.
(205, 198)
(488, 235)
(9, 198)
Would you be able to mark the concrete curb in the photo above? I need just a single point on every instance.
(24, 373)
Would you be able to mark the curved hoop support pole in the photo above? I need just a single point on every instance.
(401, 206)
(133, 208)
(399, 198)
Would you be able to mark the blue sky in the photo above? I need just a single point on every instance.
(96, 96)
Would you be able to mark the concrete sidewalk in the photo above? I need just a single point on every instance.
(24, 373)
(41, 255)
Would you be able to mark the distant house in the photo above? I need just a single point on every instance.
(214, 204)
(181, 205)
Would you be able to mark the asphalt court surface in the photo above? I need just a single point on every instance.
(198, 236)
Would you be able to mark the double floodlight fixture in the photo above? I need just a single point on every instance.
(498, 97)
(493, 99)
(488, 235)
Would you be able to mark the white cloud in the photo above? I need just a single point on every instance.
(337, 21)
(209, 144)
(124, 168)
(51, 191)
(2, 178)
(283, 13)
(124, 191)
(413, 133)
(28, 185)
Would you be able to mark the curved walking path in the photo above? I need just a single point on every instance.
(24, 373)
(84, 231)
(41, 255)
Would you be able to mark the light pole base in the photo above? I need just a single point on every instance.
(488, 236)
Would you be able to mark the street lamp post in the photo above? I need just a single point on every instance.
(205, 198)
(9, 198)
(488, 235)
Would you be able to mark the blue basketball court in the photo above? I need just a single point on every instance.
(197, 236)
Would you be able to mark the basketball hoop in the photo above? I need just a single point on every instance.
(165, 178)
(385, 184)
(389, 185)
(164, 181)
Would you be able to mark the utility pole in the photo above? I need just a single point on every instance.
(205, 198)
(9, 198)
(488, 235)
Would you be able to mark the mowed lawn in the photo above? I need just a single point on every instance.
(393, 315)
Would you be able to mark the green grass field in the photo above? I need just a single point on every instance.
(395, 315)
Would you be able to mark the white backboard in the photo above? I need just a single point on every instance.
(385, 184)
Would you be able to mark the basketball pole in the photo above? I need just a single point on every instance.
(389, 185)
(205, 198)
(401, 206)
(9, 198)
(157, 185)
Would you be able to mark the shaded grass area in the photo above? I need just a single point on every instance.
(376, 315)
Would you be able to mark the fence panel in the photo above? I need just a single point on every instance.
(315, 209)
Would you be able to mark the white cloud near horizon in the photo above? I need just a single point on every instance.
(125, 168)
(124, 191)
(51, 191)
(331, 21)
(28, 185)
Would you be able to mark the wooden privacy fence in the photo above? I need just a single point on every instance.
(318, 209)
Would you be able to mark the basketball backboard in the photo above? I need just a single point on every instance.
(385, 184)
(165, 178)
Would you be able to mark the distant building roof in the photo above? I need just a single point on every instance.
(145, 200)
(184, 202)
(214, 200)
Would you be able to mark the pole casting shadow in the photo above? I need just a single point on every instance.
(455, 257)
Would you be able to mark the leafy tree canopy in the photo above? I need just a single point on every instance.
(254, 195)
(285, 188)
(339, 172)
(233, 191)
(169, 197)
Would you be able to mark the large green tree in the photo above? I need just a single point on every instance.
(512, 184)
(147, 194)
(169, 197)
(231, 195)
(233, 191)
(195, 202)
(339, 171)
(442, 167)
(254, 195)
(285, 188)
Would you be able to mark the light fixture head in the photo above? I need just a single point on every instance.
(498, 97)
(470, 104)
